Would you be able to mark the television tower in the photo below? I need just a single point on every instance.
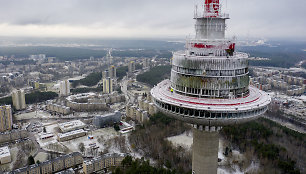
(209, 87)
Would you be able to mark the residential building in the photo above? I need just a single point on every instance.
(18, 98)
(107, 85)
(6, 121)
(131, 67)
(112, 72)
(64, 88)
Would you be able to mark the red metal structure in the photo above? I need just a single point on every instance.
(212, 8)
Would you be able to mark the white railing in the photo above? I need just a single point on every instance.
(211, 15)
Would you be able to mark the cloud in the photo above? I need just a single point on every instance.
(144, 18)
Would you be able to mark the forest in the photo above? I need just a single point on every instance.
(121, 71)
(279, 149)
(283, 55)
(142, 53)
(155, 75)
(276, 146)
(90, 80)
(85, 90)
(36, 97)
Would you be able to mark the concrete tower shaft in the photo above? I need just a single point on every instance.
(210, 28)
(210, 24)
(205, 151)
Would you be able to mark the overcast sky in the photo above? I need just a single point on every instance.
(146, 19)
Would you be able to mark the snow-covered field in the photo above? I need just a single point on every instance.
(30, 115)
(104, 135)
(184, 140)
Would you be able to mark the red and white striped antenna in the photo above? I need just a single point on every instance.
(211, 8)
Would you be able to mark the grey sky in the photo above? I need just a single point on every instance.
(144, 18)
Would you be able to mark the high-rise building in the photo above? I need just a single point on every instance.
(107, 85)
(112, 72)
(131, 66)
(209, 87)
(105, 74)
(64, 88)
(109, 57)
(18, 98)
(6, 121)
(146, 63)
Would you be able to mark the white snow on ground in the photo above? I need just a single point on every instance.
(50, 126)
(105, 136)
(253, 168)
(106, 133)
(224, 171)
(34, 114)
(185, 140)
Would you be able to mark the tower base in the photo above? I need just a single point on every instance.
(205, 151)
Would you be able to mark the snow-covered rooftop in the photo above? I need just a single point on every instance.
(72, 125)
(71, 133)
(4, 152)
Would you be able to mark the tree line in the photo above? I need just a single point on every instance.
(34, 97)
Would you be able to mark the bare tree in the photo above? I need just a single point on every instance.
(82, 147)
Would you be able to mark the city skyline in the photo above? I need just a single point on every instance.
(145, 19)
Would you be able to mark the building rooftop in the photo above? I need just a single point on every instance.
(116, 113)
(4, 152)
(72, 125)
(70, 133)
(46, 135)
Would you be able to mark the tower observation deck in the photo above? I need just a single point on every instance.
(209, 86)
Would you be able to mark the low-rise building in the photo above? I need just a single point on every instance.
(140, 114)
(71, 135)
(71, 126)
(107, 120)
(60, 164)
(5, 155)
(12, 135)
(98, 164)
(59, 109)
(34, 169)
(46, 167)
